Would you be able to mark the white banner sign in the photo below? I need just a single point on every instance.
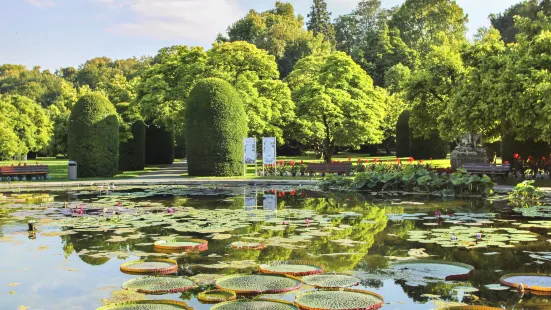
(269, 151)
(270, 202)
(250, 201)
(249, 150)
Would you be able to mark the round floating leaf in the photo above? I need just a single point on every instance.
(258, 284)
(150, 266)
(345, 299)
(148, 305)
(465, 289)
(330, 280)
(216, 296)
(181, 244)
(264, 304)
(469, 308)
(496, 287)
(434, 269)
(530, 281)
(294, 268)
(158, 285)
(239, 245)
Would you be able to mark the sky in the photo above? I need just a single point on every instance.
(60, 33)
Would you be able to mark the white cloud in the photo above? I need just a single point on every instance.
(42, 3)
(198, 20)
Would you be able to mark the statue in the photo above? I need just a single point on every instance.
(468, 151)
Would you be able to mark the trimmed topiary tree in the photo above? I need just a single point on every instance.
(132, 151)
(94, 136)
(215, 125)
(159, 146)
(434, 147)
(180, 148)
(402, 135)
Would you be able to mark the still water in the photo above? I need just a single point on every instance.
(72, 261)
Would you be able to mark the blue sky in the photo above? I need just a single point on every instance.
(60, 33)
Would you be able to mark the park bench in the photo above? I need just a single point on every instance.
(340, 168)
(488, 169)
(24, 170)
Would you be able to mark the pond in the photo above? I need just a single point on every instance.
(73, 260)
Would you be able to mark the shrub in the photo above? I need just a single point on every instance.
(180, 148)
(434, 147)
(510, 146)
(159, 146)
(402, 135)
(215, 125)
(132, 151)
(94, 136)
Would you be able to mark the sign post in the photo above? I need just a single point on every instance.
(268, 152)
(249, 154)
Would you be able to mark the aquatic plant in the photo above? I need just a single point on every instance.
(469, 307)
(525, 194)
(181, 244)
(330, 280)
(264, 304)
(214, 296)
(342, 299)
(293, 268)
(150, 266)
(435, 269)
(158, 285)
(528, 281)
(258, 284)
(148, 305)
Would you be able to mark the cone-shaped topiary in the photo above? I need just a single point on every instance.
(434, 147)
(402, 135)
(132, 151)
(94, 136)
(159, 146)
(215, 125)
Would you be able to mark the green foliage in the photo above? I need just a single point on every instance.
(403, 135)
(280, 33)
(94, 136)
(216, 124)
(414, 178)
(159, 145)
(132, 151)
(337, 104)
(24, 124)
(320, 21)
(180, 147)
(433, 147)
(526, 194)
(505, 22)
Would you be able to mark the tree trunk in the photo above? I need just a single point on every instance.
(328, 151)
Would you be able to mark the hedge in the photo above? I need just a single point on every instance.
(434, 147)
(180, 147)
(94, 136)
(215, 125)
(159, 146)
(132, 152)
(402, 135)
(510, 146)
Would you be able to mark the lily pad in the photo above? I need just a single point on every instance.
(150, 266)
(213, 296)
(258, 284)
(330, 280)
(346, 299)
(148, 305)
(294, 268)
(158, 285)
(264, 304)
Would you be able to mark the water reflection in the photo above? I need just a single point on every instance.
(347, 232)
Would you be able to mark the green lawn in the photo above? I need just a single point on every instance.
(58, 169)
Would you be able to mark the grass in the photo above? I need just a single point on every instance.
(58, 169)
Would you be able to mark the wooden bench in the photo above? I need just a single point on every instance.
(340, 168)
(488, 169)
(24, 170)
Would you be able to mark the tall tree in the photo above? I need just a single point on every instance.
(337, 104)
(505, 22)
(320, 21)
(280, 32)
(422, 22)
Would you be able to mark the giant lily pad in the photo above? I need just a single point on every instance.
(150, 266)
(158, 285)
(294, 268)
(148, 305)
(213, 296)
(181, 244)
(258, 284)
(264, 304)
(433, 269)
(330, 280)
(346, 299)
(530, 281)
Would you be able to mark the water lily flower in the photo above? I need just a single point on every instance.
(453, 237)
(478, 236)
(437, 213)
(170, 211)
(307, 221)
(284, 223)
